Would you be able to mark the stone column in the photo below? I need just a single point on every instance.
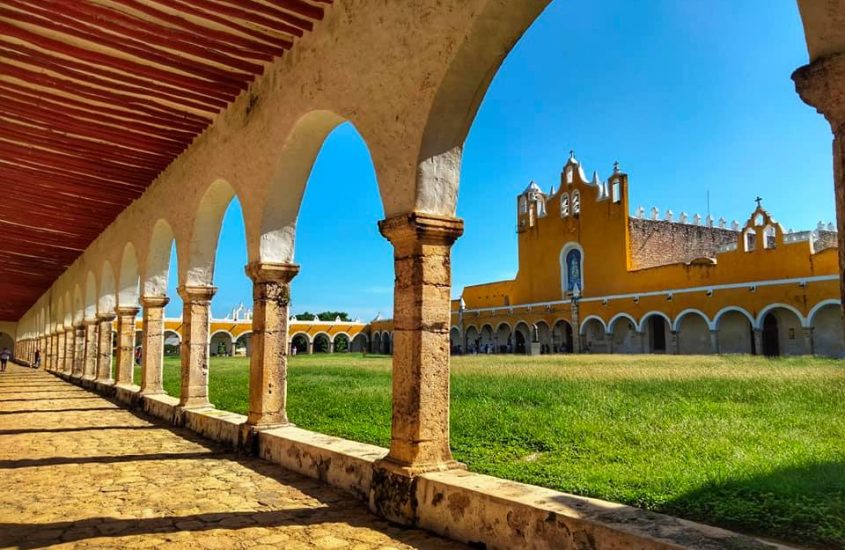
(758, 341)
(89, 370)
(642, 338)
(125, 344)
(153, 344)
(576, 326)
(104, 348)
(48, 352)
(268, 363)
(60, 350)
(422, 245)
(68, 363)
(821, 84)
(714, 341)
(676, 343)
(809, 344)
(309, 349)
(196, 321)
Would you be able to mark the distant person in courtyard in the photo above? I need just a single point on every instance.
(36, 362)
(138, 354)
(4, 358)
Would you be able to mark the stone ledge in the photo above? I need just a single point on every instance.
(480, 510)
(344, 464)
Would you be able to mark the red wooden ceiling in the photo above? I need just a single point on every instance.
(97, 97)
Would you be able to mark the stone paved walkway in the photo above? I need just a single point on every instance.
(76, 471)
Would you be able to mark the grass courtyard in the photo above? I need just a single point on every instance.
(745, 443)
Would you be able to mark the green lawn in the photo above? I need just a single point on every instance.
(746, 443)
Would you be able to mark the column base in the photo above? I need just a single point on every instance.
(195, 404)
(387, 464)
(249, 436)
(153, 391)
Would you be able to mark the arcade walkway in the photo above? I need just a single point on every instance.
(78, 471)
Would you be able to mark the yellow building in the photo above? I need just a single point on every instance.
(593, 278)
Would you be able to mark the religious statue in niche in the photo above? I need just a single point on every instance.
(573, 270)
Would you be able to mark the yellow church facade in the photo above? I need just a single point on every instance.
(593, 278)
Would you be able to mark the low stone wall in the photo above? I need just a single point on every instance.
(483, 511)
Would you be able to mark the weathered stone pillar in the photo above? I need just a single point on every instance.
(422, 295)
(104, 347)
(89, 370)
(576, 326)
(125, 344)
(153, 344)
(642, 338)
(809, 344)
(68, 363)
(821, 84)
(195, 345)
(758, 341)
(714, 341)
(60, 350)
(676, 343)
(268, 363)
(309, 349)
(609, 337)
(48, 352)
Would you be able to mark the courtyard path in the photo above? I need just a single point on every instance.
(77, 471)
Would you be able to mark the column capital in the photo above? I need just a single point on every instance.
(421, 227)
(196, 293)
(90, 322)
(154, 301)
(821, 84)
(269, 272)
(127, 311)
(105, 317)
(79, 325)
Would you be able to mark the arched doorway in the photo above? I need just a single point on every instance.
(828, 340)
(473, 340)
(221, 344)
(455, 346)
(6, 341)
(771, 336)
(657, 334)
(322, 344)
(503, 338)
(693, 334)
(243, 345)
(340, 344)
(735, 333)
(486, 340)
(359, 343)
(299, 344)
(522, 338)
(624, 335)
(594, 338)
(544, 334)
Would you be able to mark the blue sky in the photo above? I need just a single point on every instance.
(690, 96)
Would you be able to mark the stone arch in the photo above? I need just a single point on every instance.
(359, 343)
(623, 334)
(108, 295)
(826, 321)
(656, 330)
(387, 343)
(455, 342)
(287, 186)
(244, 341)
(487, 337)
(340, 343)
(157, 264)
(300, 342)
(734, 328)
(693, 329)
(544, 335)
(202, 246)
(376, 343)
(562, 336)
(91, 296)
(761, 316)
(782, 326)
(522, 338)
(78, 305)
(472, 339)
(6, 341)
(503, 338)
(322, 343)
(221, 343)
(172, 341)
(456, 102)
(127, 294)
(594, 335)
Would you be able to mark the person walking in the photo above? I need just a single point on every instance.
(36, 362)
(4, 358)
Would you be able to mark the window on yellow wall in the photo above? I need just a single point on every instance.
(564, 205)
(576, 203)
(616, 191)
